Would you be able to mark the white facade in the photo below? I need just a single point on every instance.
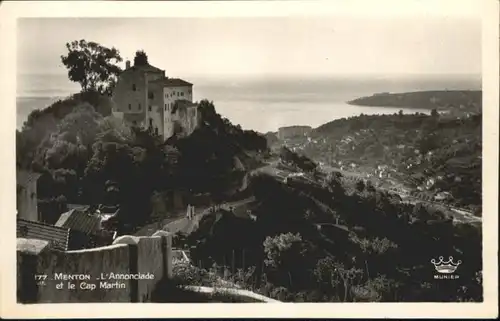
(171, 94)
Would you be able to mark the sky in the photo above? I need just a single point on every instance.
(266, 46)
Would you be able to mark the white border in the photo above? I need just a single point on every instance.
(488, 9)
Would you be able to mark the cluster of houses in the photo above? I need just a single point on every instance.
(467, 111)
(78, 228)
(354, 172)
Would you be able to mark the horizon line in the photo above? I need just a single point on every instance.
(283, 75)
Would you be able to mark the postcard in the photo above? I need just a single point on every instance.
(301, 157)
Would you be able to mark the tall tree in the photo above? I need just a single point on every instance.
(285, 253)
(141, 58)
(92, 65)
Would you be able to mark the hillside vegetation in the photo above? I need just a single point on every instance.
(313, 242)
(88, 157)
(432, 154)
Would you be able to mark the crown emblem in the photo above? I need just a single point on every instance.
(446, 267)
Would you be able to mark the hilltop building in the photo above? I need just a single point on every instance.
(144, 96)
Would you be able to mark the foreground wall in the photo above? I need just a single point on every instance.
(94, 275)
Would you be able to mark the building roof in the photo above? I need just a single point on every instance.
(57, 237)
(80, 221)
(146, 68)
(25, 177)
(172, 82)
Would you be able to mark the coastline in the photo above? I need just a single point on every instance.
(267, 103)
(428, 99)
(268, 117)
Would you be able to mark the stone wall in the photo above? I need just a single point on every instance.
(47, 276)
(154, 255)
(125, 98)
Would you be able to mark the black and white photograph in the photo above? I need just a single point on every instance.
(329, 158)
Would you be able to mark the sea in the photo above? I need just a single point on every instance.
(267, 103)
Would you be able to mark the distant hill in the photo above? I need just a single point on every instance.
(298, 127)
(438, 99)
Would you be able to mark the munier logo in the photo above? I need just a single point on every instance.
(445, 269)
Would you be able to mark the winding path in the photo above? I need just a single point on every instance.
(180, 223)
